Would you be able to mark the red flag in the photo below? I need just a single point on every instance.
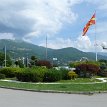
(90, 22)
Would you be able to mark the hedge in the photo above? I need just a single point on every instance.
(52, 75)
(9, 72)
(35, 74)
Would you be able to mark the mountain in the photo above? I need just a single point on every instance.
(23, 49)
(102, 53)
(73, 54)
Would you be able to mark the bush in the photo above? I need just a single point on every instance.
(52, 75)
(75, 64)
(8, 72)
(26, 76)
(34, 74)
(40, 72)
(64, 74)
(44, 63)
(2, 76)
(72, 75)
(87, 70)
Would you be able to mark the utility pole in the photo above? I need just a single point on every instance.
(5, 56)
(46, 47)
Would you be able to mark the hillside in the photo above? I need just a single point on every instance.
(23, 49)
(73, 54)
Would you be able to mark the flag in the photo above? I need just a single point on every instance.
(90, 22)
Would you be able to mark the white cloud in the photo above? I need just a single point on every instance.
(25, 17)
(7, 36)
(83, 42)
(30, 19)
(58, 43)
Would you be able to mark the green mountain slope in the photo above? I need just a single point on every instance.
(73, 54)
(23, 49)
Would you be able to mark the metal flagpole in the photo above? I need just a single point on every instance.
(95, 40)
(5, 56)
(46, 47)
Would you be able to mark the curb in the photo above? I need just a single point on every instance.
(53, 91)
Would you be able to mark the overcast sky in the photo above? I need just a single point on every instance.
(61, 20)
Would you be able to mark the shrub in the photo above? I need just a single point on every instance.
(52, 75)
(72, 75)
(44, 63)
(26, 76)
(8, 72)
(64, 74)
(103, 66)
(75, 64)
(2, 76)
(34, 74)
(103, 73)
(40, 72)
(87, 70)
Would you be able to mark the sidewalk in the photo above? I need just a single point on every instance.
(103, 80)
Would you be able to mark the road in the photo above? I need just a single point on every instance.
(18, 98)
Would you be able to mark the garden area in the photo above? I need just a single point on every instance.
(83, 78)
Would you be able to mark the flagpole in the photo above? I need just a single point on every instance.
(95, 41)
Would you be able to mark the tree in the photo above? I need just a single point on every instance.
(87, 70)
(2, 58)
(19, 63)
(44, 63)
(33, 60)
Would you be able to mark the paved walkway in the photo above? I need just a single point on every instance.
(102, 81)
(18, 98)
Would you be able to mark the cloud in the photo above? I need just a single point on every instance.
(7, 36)
(30, 19)
(98, 3)
(83, 43)
(58, 43)
(27, 17)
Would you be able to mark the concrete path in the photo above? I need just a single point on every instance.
(102, 79)
(18, 98)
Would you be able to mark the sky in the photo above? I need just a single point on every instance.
(62, 21)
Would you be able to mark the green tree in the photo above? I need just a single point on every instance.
(33, 60)
(19, 63)
(2, 58)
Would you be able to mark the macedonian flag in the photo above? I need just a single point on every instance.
(90, 22)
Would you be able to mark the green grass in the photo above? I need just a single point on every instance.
(80, 80)
(57, 87)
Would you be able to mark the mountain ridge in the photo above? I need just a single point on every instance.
(23, 49)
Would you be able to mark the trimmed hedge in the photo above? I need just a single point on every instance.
(26, 76)
(8, 72)
(34, 74)
(52, 75)
(2, 76)
(64, 74)
(41, 74)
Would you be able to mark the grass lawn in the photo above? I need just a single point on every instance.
(78, 87)
(80, 80)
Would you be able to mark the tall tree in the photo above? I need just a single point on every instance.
(33, 60)
(2, 58)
